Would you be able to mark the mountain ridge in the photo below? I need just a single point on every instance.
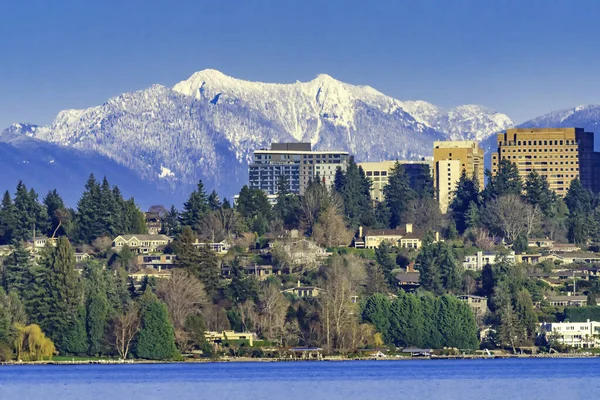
(207, 126)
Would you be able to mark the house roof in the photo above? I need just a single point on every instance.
(144, 237)
(567, 298)
(579, 255)
(408, 276)
(386, 232)
(470, 296)
(414, 235)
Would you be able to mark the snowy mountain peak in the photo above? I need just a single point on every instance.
(207, 126)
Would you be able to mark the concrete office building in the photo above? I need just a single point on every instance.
(450, 158)
(298, 163)
(559, 154)
(378, 172)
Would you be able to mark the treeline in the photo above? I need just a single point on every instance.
(516, 209)
(423, 321)
(101, 211)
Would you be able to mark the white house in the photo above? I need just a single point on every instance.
(477, 261)
(573, 334)
(141, 243)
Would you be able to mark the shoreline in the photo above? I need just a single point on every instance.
(271, 360)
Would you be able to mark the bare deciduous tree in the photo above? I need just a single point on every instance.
(330, 229)
(512, 216)
(316, 199)
(124, 329)
(184, 295)
(343, 278)
(272, 309)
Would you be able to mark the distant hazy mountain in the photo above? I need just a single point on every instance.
(208, 125)
(45, 166)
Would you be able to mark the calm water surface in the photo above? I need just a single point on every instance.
(381, 380)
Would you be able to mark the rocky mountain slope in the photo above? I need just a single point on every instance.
(208, 125)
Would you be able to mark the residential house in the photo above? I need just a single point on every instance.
(573, 334)
(409, 281)
(137, 277)
(155, 261)
(528, 258)
(39, 242)
(303, 291)
(574, 258)
(402, 237)
(476, 262)
(477, 303)
(544, 243)
(564, 248)
(220, 337)
(141, 243)
(261, 272)
(81, 257)
(221, 247)
(567, 301)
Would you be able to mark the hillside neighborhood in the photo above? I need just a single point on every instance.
(318, 256)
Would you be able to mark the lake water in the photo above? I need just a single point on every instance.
(562, 379)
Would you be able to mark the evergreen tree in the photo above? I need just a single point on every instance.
(538, 193)
(287, 208)
(385, 255)
(170, 222)
(195, 208)
(200, 261)
(18, 271)
(75, 339)
(29, 214)
(57, 214)
(398, 193)
(7, 219)
(253, 205)
(467, 192)
(214, 203)
(505, 181)
(432, 337)
(89, 224)
(438, 266)
(580, 222)
(472, 216)
(354, 187)
(108, 210)
(430, 274)
(55, 305)
(156, 339)
(97, 307)
(422, 183)
(134, 217)
(382, 216)
(376, 311)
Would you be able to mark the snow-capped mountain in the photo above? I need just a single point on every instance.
(468, 122)
(206, 127)
(586, 116)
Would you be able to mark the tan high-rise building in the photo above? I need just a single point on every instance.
(378, 172)
(559, 154)
(450, 158)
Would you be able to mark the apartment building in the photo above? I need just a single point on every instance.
(298, 163)
(450, 158)
(378, 172)
(559, 154)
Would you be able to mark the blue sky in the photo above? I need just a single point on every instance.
(520, 57)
